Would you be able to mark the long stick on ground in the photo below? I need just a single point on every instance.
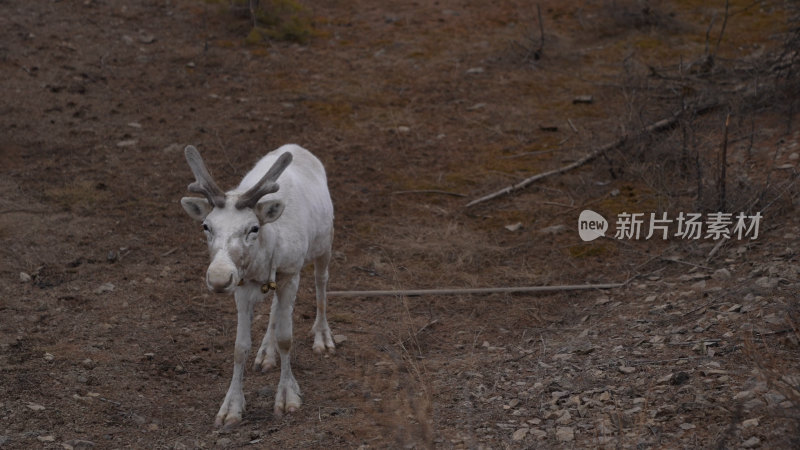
(467, 291)
(660, 125)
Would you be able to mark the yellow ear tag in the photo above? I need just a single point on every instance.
(271, 286)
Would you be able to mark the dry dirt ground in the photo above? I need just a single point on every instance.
(109, 339)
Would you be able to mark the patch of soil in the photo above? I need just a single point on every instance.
(108, 337)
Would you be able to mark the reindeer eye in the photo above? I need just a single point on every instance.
(254, 229)
(206, 228)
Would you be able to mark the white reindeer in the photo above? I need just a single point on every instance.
(260, 242)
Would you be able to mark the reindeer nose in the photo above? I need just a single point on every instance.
(218, 283)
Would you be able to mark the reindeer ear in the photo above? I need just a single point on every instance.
(197, 208)
(269, 211)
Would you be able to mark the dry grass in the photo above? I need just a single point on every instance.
(81, 197)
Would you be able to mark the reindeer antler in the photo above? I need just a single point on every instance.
(203, 184)
(266, 185)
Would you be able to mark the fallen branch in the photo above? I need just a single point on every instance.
(467, 291)
(660, 125)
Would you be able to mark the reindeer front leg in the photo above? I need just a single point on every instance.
(287, 396)
(265, 357)
(230, 413)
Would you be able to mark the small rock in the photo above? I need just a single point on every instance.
(103, 288)
(587, 99)
(602, 300)
(339, 338)
(223, 442)
(152, 426)
(553, 229)
(774, 319)
(565, 434)
(664, 379)
(34, 406)
(520, 434)
(172, 148)
(753, 404)
(767, 282)
(89, 363)
(79, 444)
(24, 277)
(627, 370)
(48, 356)
(700, 285)
(793, 380)
(127, 143)
(753, 442)
(134, 125)
(48, 438)
(403, 129)
(540, 434)
(750, 423)
(774, 398)
(794, 156)
(687, 426)
(565, 418)
(475, 70)
(632, 411)
(514, 226)
(721, 274)
(735, 308)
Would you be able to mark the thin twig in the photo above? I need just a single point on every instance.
(467, 291)
(541, 32)
(715, 249)
(660, 125)
(702, 341)
(708, 33)
(680, 261)
(661, 361)
(723, 162)
(429, 191)
(517, 358)
(24, 211)
(722, 30)
(572, 125)
(113, 402)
